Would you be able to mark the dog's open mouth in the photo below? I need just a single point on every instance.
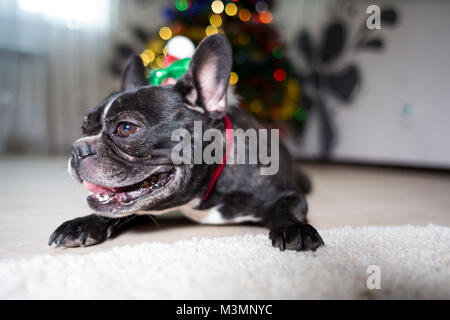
(102, 195)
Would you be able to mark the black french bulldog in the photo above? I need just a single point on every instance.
(124, 159)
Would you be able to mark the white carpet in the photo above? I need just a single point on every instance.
(414, 263)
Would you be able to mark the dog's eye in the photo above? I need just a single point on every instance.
(126, 129)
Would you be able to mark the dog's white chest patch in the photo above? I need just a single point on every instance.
(208, 216)
(211, 215)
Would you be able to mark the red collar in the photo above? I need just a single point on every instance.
(219, 167)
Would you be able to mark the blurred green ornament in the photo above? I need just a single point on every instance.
(176, 70)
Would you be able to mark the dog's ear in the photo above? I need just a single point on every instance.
(205, 84)
(134, 75)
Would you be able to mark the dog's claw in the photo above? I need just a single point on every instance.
(281, 241)
(317, 235)
(60, 238)
(52, 238)
(300, 246)
(82, 238)
(309, 243)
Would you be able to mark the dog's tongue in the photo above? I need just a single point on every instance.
(96, 188)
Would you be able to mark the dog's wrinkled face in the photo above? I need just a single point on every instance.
(124, 157)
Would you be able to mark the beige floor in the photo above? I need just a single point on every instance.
(37, 195)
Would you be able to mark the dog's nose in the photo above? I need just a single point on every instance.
(83, 150)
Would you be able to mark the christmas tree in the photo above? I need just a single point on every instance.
(262, 74)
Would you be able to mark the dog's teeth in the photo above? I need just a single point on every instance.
(124, 197)
(102, 198)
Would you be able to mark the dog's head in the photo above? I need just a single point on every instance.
(124, 157)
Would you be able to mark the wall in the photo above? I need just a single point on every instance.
(401, 113)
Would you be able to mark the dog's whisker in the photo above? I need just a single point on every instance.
(154, 220)
(127, 219)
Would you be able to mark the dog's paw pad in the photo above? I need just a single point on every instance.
(296, 236)
(85, 231)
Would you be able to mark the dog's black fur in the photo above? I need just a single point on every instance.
(105, 158)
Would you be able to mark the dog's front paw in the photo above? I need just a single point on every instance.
(295, 236)
(84, 231)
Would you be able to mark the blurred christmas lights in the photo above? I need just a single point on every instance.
(279, 75)
(256, 106)
(265, 17)
(231, 9)
(211, 30)
(182, 5)
(261, 6)
(147, 56)
(165, 33)
(217, 6)
(278, 52)
(245, 15)
(215, 20)
(233, 78)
